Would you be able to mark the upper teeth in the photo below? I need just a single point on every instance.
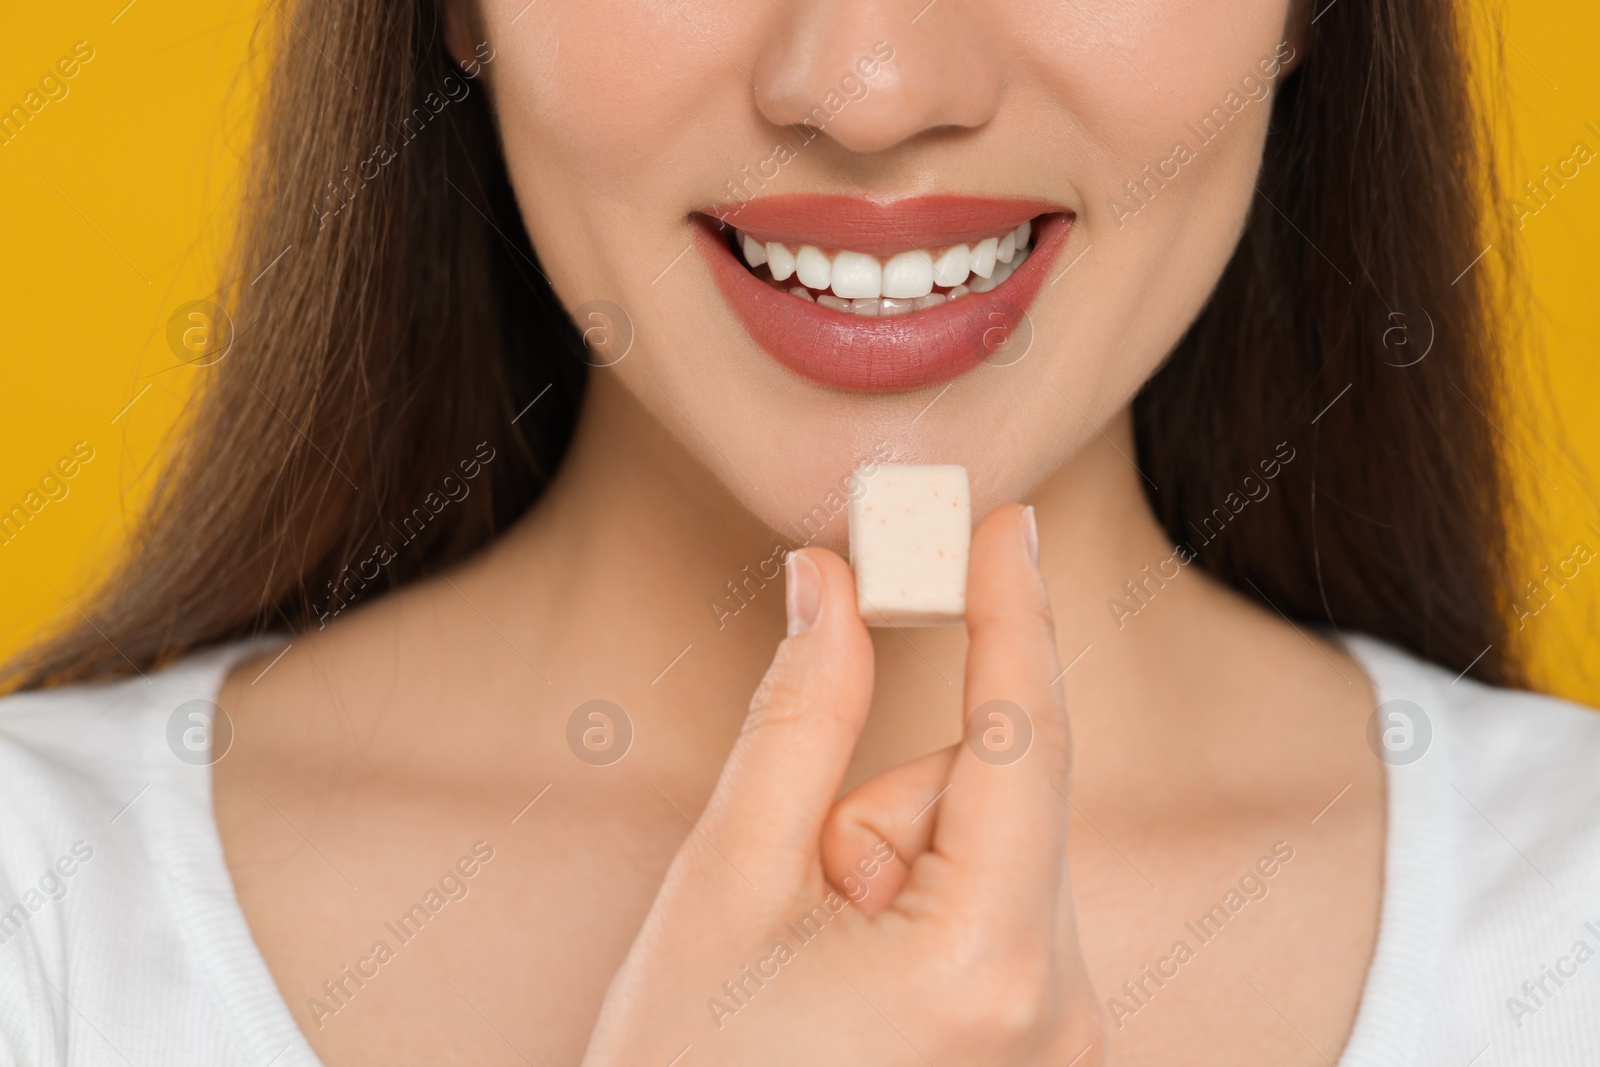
(906, 276)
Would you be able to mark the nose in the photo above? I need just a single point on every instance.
(873, 73)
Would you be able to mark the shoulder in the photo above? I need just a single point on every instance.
(1492, 864)
(73, 752)
(102, 795)
(1531, 758)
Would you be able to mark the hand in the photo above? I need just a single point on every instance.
(964, 948)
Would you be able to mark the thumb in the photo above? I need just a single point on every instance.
(766, 813)
(875, 833)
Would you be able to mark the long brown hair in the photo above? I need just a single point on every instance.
(391, 323)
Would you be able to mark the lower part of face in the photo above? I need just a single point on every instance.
(756, 191)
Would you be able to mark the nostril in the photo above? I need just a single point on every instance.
(869, 81)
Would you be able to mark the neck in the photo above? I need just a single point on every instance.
(685, 585)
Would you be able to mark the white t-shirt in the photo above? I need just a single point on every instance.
(122, 942)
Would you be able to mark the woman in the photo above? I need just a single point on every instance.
(322, 775)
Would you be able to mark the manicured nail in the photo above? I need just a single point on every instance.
(802, 592)
(1030, 535)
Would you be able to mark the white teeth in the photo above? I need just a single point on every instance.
(873, 307)
(780, 260)
(856, 276)
(858, 283)
(983, 256)
(755, 253)
(1002, 271)
(814, 268)
(953, 267)
(907, 275)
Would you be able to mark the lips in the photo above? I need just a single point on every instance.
(889, 344)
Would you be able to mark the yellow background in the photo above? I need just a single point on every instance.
(117, 211)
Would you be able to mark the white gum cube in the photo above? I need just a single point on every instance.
(910, 532)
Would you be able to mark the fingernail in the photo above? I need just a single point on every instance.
(1030, 535)
(802, 592)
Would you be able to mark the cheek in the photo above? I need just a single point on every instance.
(1152, 84)
(611, 114)
(1180, 134)
(1134, 73)
(1165, 143)
(601, 89)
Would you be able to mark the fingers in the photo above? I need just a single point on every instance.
(1002, 825)
(876, 832)
(766, 813)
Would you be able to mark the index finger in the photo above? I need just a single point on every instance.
(1003, 821)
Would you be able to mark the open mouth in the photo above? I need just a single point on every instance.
(863, 295)
(859, 283)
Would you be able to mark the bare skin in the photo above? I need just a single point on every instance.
(1215, 748)
(1204, 731)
